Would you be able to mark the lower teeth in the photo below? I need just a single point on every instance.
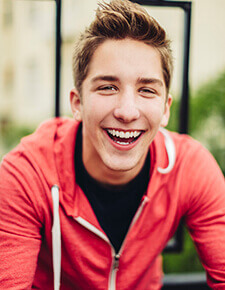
(122, 143)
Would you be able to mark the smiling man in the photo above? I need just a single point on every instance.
(91, 202)
(135, 102)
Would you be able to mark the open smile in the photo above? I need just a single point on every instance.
(124, 137)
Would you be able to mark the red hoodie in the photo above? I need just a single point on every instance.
(191, 186)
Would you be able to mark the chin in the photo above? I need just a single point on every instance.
(122, 166)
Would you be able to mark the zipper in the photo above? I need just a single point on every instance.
(114, 269)
(115, 256)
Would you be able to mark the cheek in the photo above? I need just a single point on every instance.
(154, 113)
(97, 109)
(92, 113)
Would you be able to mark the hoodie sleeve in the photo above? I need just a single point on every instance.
(20, 228)
(205, 216)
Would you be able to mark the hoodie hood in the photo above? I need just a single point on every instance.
(51, 150)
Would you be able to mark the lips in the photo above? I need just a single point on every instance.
(123, 137)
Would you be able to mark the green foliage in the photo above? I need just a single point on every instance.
(174, 116)
(11, 134)
(15, 134)
(207, 117)
(208, 101)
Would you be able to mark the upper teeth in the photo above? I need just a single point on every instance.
(122, 134)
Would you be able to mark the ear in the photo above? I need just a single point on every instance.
(166, 114)
(75, 103)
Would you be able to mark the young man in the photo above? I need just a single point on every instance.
(91, 203)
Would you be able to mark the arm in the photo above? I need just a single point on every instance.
(206, 215)
(20, 229)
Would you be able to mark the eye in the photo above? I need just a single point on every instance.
(107, 89)
(147, 92)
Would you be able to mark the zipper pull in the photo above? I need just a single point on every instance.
(116, 261)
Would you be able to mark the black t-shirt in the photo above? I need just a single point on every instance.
(113, 205)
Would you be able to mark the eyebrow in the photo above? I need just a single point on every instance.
(147, 81)
(109, 78)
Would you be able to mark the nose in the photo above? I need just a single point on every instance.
(126, 109)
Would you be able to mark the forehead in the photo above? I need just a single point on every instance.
(127, 59)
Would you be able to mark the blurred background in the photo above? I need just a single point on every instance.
(27, 75)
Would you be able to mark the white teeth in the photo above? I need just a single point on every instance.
(122, 143)
(136, 134)
(122, 134)
(127, 135)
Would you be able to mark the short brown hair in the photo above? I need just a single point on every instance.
(120, 19)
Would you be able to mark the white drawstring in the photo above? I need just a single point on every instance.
(56, 238)
(171, 152)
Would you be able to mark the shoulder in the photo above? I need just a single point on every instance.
(191, 152)
(185, 143)
(29, 170)
(192, 155)
(199, 174)
(195, 169)
(186, 152)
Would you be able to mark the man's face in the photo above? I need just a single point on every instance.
(123, 106)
